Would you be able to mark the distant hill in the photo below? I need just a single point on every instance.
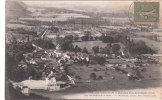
(16, 9)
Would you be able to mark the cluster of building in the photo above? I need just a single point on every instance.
(59, 59)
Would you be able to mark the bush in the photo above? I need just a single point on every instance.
(68, 38)
(97, 60)
(95, 69)
(84, 50)
(85, 38)
(95, 49)
(101, 60)
(77, 49)
(18, 75)
(93, 76)
(100, 78)
(116, 48)
(78, 77)
(107, 39)
(76, 37)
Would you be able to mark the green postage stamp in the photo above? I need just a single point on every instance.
(146, 12)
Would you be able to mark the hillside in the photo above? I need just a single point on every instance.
(16, 9)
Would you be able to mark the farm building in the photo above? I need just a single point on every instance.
(116, 62)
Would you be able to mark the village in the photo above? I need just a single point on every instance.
(80, 53)
(57, 71)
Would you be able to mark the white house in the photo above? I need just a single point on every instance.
(58, 47)
(32, 61)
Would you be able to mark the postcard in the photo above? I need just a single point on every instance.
(77, 49)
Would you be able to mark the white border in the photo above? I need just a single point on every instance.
(2, 49)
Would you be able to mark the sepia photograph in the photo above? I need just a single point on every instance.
(83, 49)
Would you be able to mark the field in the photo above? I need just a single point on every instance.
(119, 82)
(54, 17)
(14, 26)
(89, 44)
(147, 33)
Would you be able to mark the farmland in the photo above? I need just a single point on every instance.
(121, 82)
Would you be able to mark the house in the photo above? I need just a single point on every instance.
(131, 60)
(51, 85)
(116, 62)
(25, 90)
(42, 37)
(58, 53)
(51, 34)
(58, 47)
(71, 80)
(122, 53)
(109, 66)
(32, 61)
(50, 52)
(66, 56)
(43, 75)
(27, 55)
(38, 54)
(22, 64)
(43, 57)
(48, 34)
(37, 47)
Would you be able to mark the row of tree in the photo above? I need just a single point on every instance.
(140, 47)
(46, 44)
(115, 48)
(134, 48)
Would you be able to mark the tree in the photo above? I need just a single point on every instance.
(28, 47)
(88, 34)
(93, 76)
(100, 77)
(141, 48)
(95, 49)
(66, 46)
(109, 45)
(117, 38)
(76, 37)
(30, 71)
(85, 38)
(18, 74)
(14, 54)
(107, 39)
(108, 48)
(102, 50)
(101, 60)
(71, 47)
(85, 50)
(115, 48)
(46, 44)
(19, 56)
(68, 38)
(77, 49)
(66, 43)
(54, 29)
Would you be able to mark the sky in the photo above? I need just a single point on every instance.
(84, 5)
